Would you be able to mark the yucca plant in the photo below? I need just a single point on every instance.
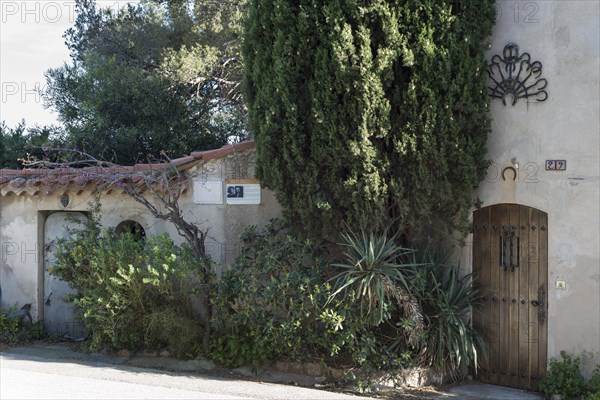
(447, 298)
(374, 269)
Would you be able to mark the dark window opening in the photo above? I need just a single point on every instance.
(132, 227)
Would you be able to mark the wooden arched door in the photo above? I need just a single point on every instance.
(510, 264)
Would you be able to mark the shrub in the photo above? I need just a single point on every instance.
(9, 329)
(425, 299)
(18, 330)
(36, 331)
(170, 328)
(374, 278)
(372, 270)
(563, 378)
(594, 385)
(446, 299)
(272, 302)
(385, 310)
(130, 293)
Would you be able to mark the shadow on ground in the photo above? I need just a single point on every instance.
(70, 352)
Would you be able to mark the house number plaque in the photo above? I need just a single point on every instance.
(556, 165)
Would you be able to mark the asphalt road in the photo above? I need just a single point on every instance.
(57, 371)
(29, 377)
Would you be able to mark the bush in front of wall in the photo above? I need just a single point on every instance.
(272, 302)
(131, 294)
(9, 329)
(563, 378)
(372, 283)
(446, 298)
(375, 308)
(19, 330)
(594, 385)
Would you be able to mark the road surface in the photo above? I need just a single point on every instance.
(30, 377)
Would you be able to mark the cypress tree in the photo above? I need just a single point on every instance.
(369, 113)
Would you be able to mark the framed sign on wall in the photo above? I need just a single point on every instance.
(242, 191)
(208, 192)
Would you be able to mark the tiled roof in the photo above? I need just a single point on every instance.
(33, 181)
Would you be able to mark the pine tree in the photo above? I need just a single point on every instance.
(150, 77)
(369, 113)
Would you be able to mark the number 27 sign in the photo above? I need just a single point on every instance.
(556, 165)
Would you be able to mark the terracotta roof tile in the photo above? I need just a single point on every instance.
(38, 178)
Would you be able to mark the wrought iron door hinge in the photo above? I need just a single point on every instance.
(540, 303)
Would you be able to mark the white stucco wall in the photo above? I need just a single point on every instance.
(19, 252)
(564, 36)
(23, 216)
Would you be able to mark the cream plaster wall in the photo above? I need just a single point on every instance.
(564, 36)
(22, 220)
(19, 252)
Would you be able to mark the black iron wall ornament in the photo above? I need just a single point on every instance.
(64, 200)
(516, 75)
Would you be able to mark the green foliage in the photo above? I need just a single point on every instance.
(271, 302)
(563, 378)
(594, 384)
(372, 272)
(36, 331)
(369, 113)
(169, 327)
(9, 329)
(425, 300)
(20, 143)
(130, 293)
(446, 299)
(150, 77)
(385, 310)
(14, 330)
(119, 117)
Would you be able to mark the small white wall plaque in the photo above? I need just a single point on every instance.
(243, 193)
(208, 192)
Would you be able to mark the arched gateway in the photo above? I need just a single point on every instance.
(510, 265)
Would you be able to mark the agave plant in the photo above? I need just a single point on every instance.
(375, 270)
(447, 298)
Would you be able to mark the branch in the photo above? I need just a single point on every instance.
(156, 185)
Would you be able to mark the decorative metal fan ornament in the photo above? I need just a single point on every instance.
(516, 75)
